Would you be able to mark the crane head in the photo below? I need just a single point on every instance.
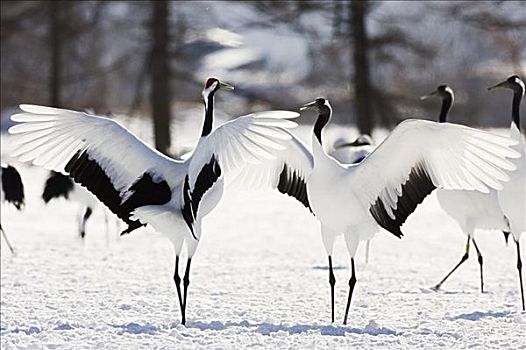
(317, 105)
(443, 91)
(214, 84)
(514, 83)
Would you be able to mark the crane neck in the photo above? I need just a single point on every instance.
(323, 118)
(515, 114)
(447, 101)
(209, 114)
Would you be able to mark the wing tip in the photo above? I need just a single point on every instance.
(38, 109)
(27, 107)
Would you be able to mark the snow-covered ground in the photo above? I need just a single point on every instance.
(259, 281)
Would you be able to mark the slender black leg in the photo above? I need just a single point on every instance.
(177, 281)
(464, 258)
(519, 267)
(85, 218)
(6, 240)
(332, 282)
(480, 263)
(352, 283)
(186, 283)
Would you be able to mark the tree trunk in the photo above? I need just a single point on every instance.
(160, 75)
(55, 48)
(362, 90)
(337, 19)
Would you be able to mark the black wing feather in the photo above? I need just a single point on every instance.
(294, 185)
(145, 191)
(416, 188)
(206, 178)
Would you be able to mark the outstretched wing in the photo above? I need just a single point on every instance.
(419, 156)
(244, 143)
(98, 153)
(288, 172)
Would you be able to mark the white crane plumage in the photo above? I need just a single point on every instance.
(512, 198)
(350, 153)
(472, 210)
(12, 192)
(384, 188)
(141, 185)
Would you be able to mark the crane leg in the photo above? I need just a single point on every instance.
(352, 283)
(519, 267)
(177, 281)
(6, 240)
(480, 260)
(464, 258)
(332, 282)
(85, 218)
(186, 283)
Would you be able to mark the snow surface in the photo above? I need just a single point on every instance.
(259, 280)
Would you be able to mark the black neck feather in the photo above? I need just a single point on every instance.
(209, 115)
(323, 119)
(517, 96)
(447, 101)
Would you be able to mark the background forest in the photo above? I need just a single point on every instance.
(371, 59)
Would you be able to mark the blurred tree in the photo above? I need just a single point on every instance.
(57, 64)
(484, 41)
(409, 47)
(160, 97)
(362, 78)
(503, 22)
(56, 30)
(384, 50)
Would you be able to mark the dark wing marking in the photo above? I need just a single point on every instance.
(416, 188)
(188, 216)
(12, 186)
(294, 185)
(145, 191)
(207, 177)
(88, 173)
(57, 185)
(205, 180)
(187, 206)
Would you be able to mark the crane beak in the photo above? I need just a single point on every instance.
(226, 86)
(311, 105)
(501, 84)
(431, 94)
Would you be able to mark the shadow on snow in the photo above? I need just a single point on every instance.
(477, 315)
(268, 328)
(135, 328)
(323, 267)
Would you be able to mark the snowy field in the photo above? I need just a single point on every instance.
(259, 281)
